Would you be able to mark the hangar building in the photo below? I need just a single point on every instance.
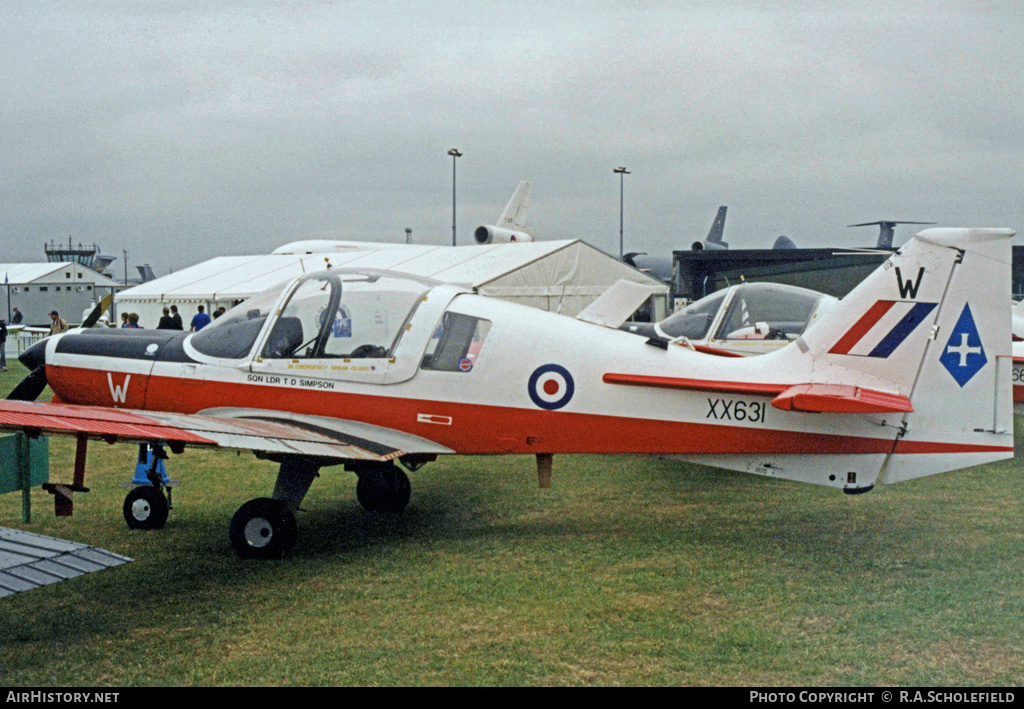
(37, 288)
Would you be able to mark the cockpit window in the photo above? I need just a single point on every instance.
(694, 320)
(232, 335)
(342, 314)
(456, 343)
(768, 311)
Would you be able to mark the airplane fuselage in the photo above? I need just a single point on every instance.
(579, 388)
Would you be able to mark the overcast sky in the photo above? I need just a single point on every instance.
(184, 130)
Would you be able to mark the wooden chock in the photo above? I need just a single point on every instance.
(544, 462)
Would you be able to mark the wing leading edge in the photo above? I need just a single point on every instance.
(248, 429)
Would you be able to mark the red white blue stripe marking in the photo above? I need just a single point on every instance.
(882, 328)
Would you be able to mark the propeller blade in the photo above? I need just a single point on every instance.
(30, 387)
(94, 316)
(34, 359)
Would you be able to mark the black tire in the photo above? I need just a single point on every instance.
(263, 529)
(384, 491)
(145, 507)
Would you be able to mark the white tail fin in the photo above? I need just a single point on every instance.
(932, 325)
(514, 215)
(511, 226)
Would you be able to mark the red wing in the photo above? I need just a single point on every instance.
(265, 431)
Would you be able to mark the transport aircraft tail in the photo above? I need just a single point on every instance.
(715, 233)
(511, 226)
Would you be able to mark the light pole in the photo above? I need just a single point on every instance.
(455, 154)
(621, 172)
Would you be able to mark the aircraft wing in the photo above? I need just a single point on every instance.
(248, 429)
(30, 560)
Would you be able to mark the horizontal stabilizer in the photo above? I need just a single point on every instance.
(809, 398)
(840, 399)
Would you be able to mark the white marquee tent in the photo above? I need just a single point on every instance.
(560, 276)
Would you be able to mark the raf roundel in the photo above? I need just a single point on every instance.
(551, 386)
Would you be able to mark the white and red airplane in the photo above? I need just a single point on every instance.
(909, 375)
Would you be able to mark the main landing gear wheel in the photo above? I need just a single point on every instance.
(263, 528)
(387, 490)
(146, 507)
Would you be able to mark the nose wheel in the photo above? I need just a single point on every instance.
(263, 528)
(146, 507)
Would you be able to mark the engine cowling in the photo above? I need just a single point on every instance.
(497, 235)
(710, 246)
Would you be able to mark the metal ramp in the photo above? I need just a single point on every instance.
(30, 560)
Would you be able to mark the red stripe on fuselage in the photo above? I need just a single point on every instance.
(487, 429)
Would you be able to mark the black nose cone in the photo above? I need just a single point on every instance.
(34, 356)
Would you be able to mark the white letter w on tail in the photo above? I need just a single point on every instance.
(118, 393)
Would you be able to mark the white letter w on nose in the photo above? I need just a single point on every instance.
(119, 393)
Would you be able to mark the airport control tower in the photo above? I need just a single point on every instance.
(84, 255)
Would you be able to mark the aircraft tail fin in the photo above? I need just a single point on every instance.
(931, 325)
(511, 224)
(514, 214)
(718, 227)
(714, 239)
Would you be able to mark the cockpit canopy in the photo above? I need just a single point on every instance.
(343, 313)
(751, 311)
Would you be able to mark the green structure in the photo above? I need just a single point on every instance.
(24, 463)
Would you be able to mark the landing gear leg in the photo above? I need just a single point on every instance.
(265, 528)
(147, 506)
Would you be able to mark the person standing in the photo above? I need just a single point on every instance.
(16, 318)
(57, 323)
(200, 319)
(166, 321)
(176, 319)
(3, 346)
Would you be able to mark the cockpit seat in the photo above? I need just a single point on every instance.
(368, 351)
(285, 339)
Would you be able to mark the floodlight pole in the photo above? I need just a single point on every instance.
(621, 172)
(455, 154)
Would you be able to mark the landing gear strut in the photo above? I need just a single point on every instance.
(265, 528)
(146, 506)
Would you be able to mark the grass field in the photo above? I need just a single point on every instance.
(628, 571)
